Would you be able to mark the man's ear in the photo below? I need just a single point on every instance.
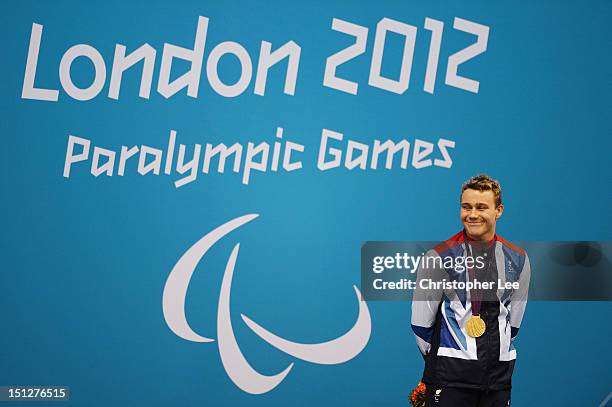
(499, 210)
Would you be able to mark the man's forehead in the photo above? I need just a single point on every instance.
(473, 196)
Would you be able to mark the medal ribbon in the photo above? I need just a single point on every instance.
(476, 293)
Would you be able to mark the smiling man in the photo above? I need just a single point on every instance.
(466, 335)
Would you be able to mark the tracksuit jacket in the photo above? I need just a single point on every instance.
(439, 317)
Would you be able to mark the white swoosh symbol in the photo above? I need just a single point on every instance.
(175, 291)
(236, 366)
(239, 370)
(338, 350)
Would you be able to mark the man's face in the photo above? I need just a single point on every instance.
(479, 214)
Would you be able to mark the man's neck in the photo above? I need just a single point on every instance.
(489, 238)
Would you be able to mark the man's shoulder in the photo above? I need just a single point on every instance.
(511, 246)
(449, 244)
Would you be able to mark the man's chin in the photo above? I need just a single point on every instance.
(475, 233)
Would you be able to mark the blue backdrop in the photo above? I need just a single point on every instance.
(85, 259)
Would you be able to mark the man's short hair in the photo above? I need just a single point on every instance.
(483, 182)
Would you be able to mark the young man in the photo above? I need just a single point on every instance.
(466, 332)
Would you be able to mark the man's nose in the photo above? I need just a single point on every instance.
(472, 214)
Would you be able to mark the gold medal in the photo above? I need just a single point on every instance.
(475, 326)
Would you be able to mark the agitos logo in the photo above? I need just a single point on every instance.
(239, 370)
